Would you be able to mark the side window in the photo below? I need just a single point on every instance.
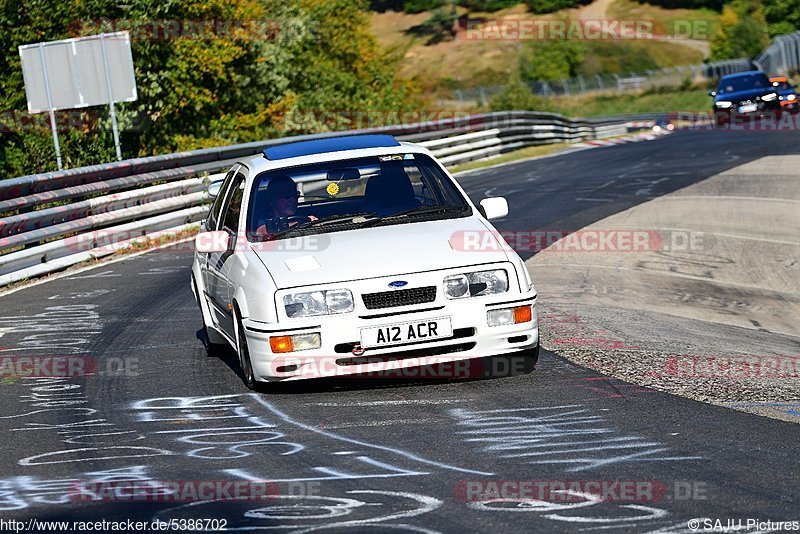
(234, 205)
(213, 215)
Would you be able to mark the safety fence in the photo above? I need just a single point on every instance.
(616, 83)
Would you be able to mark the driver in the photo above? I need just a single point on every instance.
(280, 207)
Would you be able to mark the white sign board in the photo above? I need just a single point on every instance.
(74, 72)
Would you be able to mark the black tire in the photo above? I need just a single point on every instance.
(213, 350)
(248, 377)
(531, 355)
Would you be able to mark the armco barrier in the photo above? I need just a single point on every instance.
(89, 212)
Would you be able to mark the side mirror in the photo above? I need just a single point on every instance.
(494, 207)
(712, 93)
(218, 241)
(213, 188)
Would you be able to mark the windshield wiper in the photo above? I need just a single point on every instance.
(331, 219)
(324, 221)
(364, 219)
(422, 210)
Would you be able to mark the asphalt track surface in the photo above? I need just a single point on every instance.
(373, 454)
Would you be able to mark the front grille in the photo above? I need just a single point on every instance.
(400, 297)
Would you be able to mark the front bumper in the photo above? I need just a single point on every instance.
(472, 338)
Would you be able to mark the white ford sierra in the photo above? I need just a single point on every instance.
(355, 254)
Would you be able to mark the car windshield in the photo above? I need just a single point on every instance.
(742, 83)
(344, 195)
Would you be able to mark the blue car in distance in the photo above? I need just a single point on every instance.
(744, 93)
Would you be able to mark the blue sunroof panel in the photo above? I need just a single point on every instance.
(329, 144)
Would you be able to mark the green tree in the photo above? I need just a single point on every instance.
(441, 23)
(487, 5)
(25, 142)
(742, 32)
(517, 96)
(782, 16)
(343, 68)
(236, 80)
(716, 5)
(550, 6)
(418, 6)
(551, 60)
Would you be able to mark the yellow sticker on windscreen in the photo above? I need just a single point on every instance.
(332, 189)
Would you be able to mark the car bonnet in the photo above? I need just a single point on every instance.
(373, 252)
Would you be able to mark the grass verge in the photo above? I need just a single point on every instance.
(695, 100)
(697, 24)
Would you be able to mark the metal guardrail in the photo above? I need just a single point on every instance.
(99, 209)
(782, 56)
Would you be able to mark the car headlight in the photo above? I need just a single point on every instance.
(476, 284)
(770, 97)
(791, 97)
(318, 303)
(724, 104)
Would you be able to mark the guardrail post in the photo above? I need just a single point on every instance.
(50, 107)
(111, 109)
(784, 62)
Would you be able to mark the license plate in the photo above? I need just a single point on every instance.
(748, 108)
(397, 334)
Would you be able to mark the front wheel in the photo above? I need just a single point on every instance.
(215, 346)
(248, 376)
(531, 356)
